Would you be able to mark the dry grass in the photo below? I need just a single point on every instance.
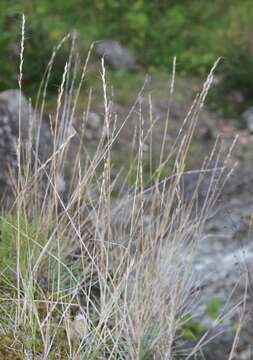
(94, 277)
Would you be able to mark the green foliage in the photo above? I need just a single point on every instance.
(29, 244)
(196, 31)
(244, 152)
(191, 328)
(213, 307)
(239, 64)
(39, 44)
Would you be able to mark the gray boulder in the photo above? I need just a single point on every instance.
(116, 55)
(13, 103)
(248, 118)
(10, 103)
(14, 110)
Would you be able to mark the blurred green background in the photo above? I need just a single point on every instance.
(196, 31)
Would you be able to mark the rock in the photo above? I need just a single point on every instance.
(248, 118)
(246, 354)
(93, 121)
(60, 183)
(116, 55)
(10, 103)
(15, 106)
(79, 327)
(93, 128)
(223, 254)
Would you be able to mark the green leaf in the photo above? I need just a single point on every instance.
(213, 307)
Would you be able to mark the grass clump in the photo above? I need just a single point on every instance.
(94, 277)
(31, 242)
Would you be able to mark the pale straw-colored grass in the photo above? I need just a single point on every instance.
(139, 249)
